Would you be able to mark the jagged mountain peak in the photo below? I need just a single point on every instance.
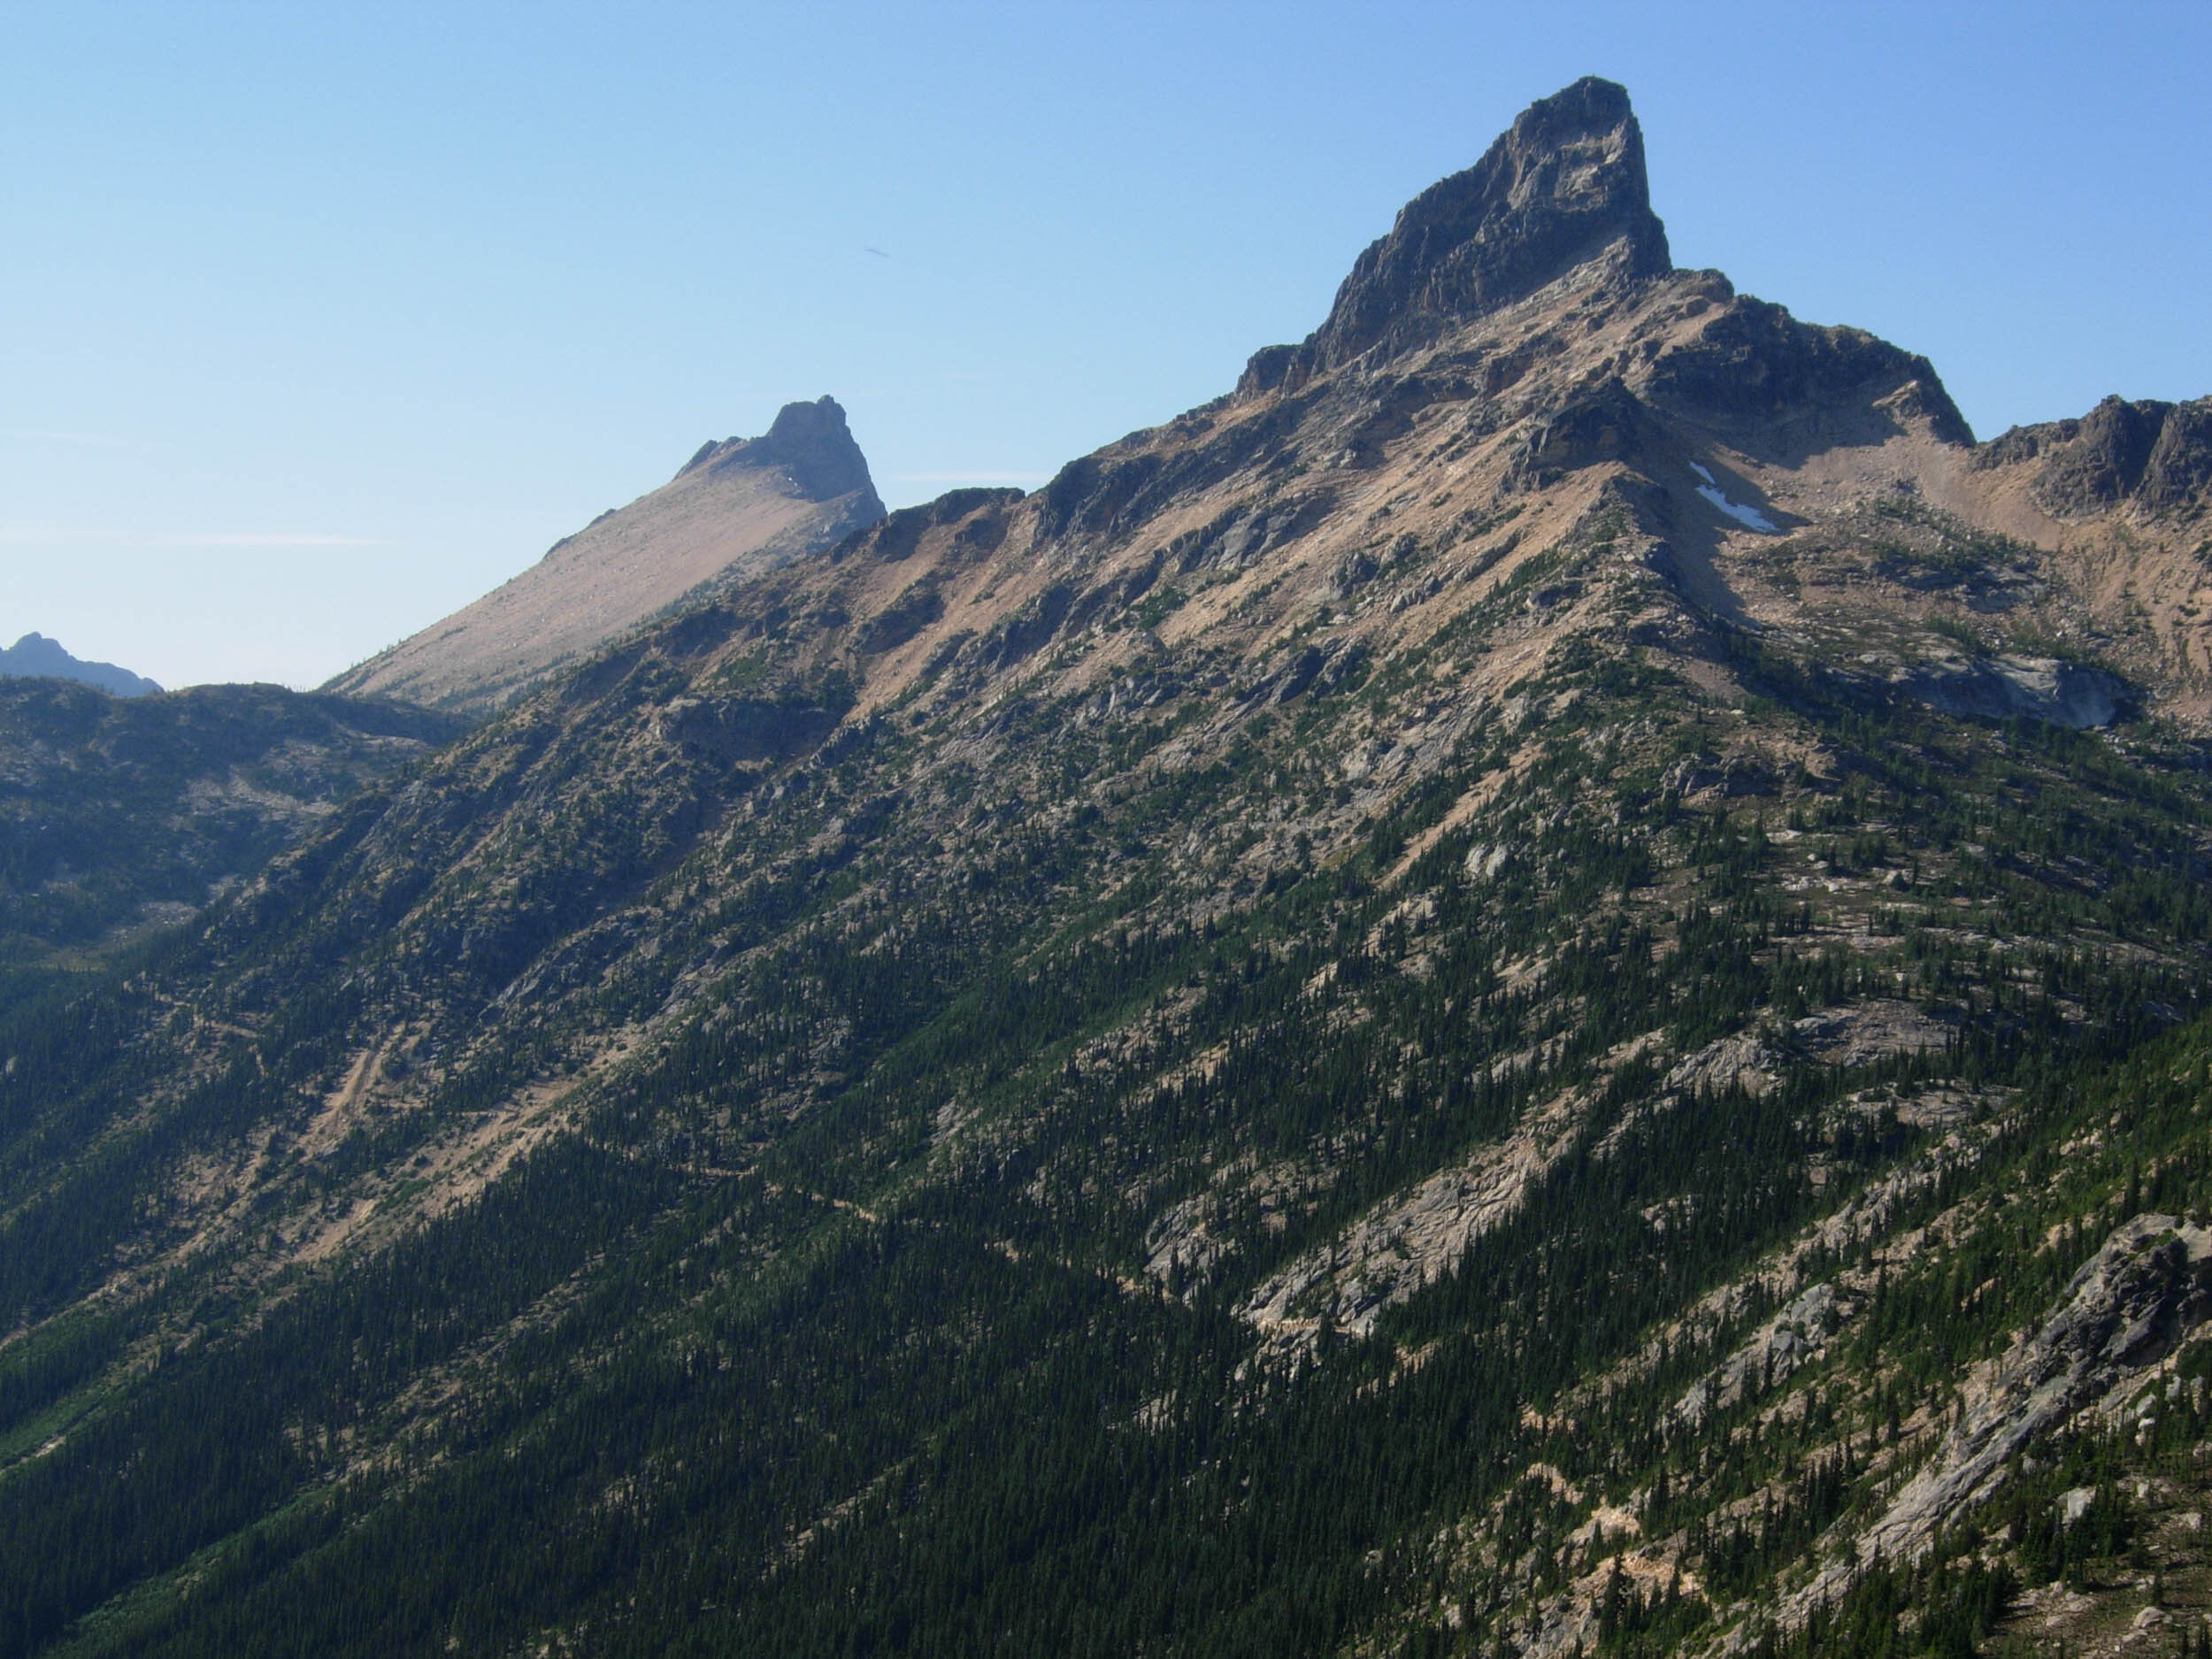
(1563, 186)
(811, 441)
(1436, 922)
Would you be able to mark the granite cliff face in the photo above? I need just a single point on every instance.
(738, 508)
(1455, 1004)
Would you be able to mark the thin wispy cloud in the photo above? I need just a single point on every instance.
(275, 538)
(78, 535)
(41, 435)
(970, 478)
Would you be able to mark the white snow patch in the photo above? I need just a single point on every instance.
(1749, 517)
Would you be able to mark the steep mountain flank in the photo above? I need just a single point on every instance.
(1473, 1001)
(737, 508)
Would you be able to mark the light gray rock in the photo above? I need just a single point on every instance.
(1484, 862)
(1790, 1338)
(1863, 1032)
(2130, 1305)
(1416, 1238)
(1741, 1061)
(2040, 687)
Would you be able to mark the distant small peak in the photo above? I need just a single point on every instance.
(36, 657)
(1564, 187)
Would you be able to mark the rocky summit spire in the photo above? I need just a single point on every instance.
(1563, 188)
(811, 442)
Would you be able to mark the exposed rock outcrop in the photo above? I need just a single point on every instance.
(2127, 1309)
(1565, 188)
(2106, 459)
(2039, 687)
(1416, 1238)
(1603, 425)
(1790, 1338)
(1754, 361)
(2157, 456)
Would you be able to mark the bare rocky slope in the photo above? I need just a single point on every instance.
(1534, 986)
(738, 508)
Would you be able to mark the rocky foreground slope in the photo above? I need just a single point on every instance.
(1533, 987)
(736, 510)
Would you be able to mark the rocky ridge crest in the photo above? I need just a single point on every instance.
(1424, 909)
(739, 509)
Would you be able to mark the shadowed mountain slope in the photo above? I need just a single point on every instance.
(117, 816)
(1535, 987)
(738, 508)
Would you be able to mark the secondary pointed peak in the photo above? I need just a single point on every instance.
(811, 441)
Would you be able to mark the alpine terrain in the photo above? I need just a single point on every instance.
(738, 508)
(1536, 987)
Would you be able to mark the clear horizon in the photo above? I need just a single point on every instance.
(324, 323)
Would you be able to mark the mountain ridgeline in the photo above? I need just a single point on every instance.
(1536, 987)
(35, 656)
(737, 510)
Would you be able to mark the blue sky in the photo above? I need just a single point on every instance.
(317, 321)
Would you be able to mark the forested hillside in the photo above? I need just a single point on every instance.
(1535, 987)
(120, 816)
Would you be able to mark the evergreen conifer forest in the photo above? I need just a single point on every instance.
(1364, 1026)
